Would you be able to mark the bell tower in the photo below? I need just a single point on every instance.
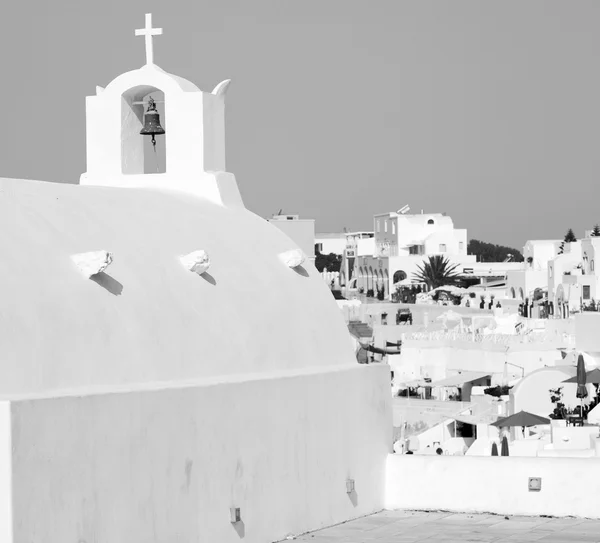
(117, 137)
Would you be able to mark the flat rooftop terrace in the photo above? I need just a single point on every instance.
(414, 526)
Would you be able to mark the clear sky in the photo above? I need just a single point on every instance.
(340, 109)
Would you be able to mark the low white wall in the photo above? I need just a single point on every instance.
(494, 484)
(6, 513)
(167, 465)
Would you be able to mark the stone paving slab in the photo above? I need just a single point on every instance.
(440, 527)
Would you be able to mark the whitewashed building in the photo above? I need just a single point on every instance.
(403, 242)
(171, 371)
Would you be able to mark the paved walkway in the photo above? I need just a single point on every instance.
(413, 526)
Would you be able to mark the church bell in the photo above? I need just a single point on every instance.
(152, 122)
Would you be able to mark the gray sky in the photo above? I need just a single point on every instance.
(339, 109)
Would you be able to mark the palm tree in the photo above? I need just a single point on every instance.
(436, 272)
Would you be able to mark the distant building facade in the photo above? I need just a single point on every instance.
(401, 243)
(301, 231)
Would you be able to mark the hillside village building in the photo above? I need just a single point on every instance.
(534, 272)
(402, 242)
(171, 371)
(301, 231)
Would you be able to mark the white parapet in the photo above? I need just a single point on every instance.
(293, 258)
(93, 262)
(196, 261)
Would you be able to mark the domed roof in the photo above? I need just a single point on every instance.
(148, 319)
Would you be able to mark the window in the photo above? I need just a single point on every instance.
(378, 225)
(430, 221)
(461, 245)
(393, 227)
(442, 247)
(400, 275)
(586, 292)
(550, 271)
(591, 265)
(385, 226)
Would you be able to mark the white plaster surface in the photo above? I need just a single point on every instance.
(167, 465)
(92, 262)
(6, 474)
(194, 143)
(474, 484)
(196, 261)
(293, 258)
(147, 319)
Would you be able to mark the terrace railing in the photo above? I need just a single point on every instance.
(498, 339)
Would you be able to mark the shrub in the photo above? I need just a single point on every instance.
(497, 391)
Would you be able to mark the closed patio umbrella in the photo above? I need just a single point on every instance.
(581, 382)
(494, 449)
(581, 379)
(504, 448)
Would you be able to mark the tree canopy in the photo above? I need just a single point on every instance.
(331, 262)
(596, 230)
(570, 236)
(489, 252)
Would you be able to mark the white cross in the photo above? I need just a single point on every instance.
(148, 32)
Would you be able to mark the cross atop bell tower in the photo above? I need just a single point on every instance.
(148, 32)
(194, 153)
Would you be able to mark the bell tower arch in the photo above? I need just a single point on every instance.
(191, 154)
(138, 154)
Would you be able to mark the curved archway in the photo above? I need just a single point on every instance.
(430, 221)
(521, 294)
(399, 275)
(386, 282)
(513, 294)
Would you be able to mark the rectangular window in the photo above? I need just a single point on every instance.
(586, 292)
(442, 247)
(385, 226)
(378, 225)
(393, 227)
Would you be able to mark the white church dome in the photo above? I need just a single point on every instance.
(147, 318)
(136, 278)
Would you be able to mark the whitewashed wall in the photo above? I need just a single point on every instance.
(166, 465)
(471, 484)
